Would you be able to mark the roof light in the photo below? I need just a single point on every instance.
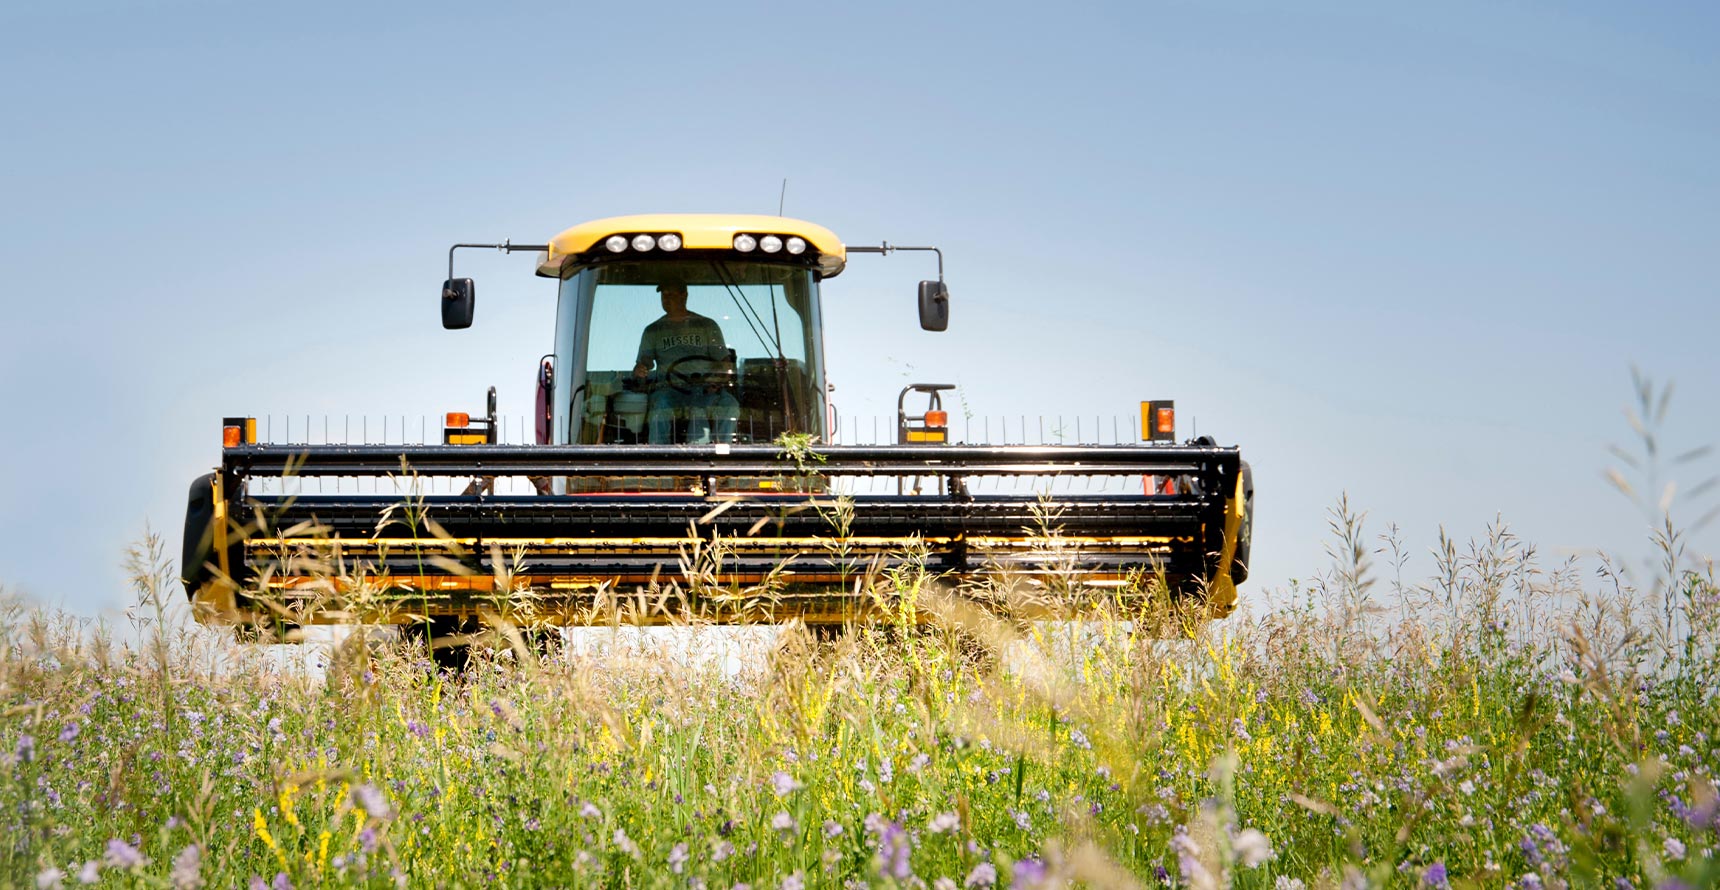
(459, 419)
(937, 419)
(796, 245)
(644, 242)
(1167, 420)
(616, 243)
(770, 244)
(669, 241)
(745, 243)
(236, 431)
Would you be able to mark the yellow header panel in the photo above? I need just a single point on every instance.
(698, 231)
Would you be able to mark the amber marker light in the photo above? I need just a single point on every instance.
(937, 418)
(459, 419)
(231, 436)
(1167, 420)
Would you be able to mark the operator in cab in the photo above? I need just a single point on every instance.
(693, 363)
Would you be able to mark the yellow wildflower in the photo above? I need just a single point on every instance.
(286, 802)
(262, 827)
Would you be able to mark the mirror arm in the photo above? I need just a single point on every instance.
(505, 247)
(886, 248)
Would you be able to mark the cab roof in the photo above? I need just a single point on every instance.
(698, 231)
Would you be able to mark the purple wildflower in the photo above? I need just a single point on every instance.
(1435, 877)
(1673, 849)
(281, 882)
(944, 822)
(372, 801)
(1252, 848)
(1028, 873)
(794, 881)
(1705, 814)
(782, 821)
(26, 748)
(257, 883)
(71, 731)
(983, 875)
(1194, 872)
(418, 729)
(893, 852)
(721, 851)
(784, 784)
(367, 840)
(678, 858)
(187, 869)
(1531, 852)
(120, 854)
(832, 828)
(90, 873)
(49, 878)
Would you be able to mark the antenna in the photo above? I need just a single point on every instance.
(782, 197)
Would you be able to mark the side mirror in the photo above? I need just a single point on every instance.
(934, 306)
(545, 393)
(458, 297)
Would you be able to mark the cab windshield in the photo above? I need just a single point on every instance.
(688, 351)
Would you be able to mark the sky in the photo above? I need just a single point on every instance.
(1403, 253)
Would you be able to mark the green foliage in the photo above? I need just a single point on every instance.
(1305, 745)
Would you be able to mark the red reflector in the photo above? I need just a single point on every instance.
(937, 418)
(1167, 420)
(230, 437)
(459, 419)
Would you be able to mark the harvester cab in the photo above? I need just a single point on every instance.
(684, 398)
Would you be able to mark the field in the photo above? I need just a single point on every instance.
(1503, 723)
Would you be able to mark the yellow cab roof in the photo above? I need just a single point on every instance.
(698, 231)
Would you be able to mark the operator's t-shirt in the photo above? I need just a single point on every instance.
(666, 341)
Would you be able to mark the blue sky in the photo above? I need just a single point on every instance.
(1407, 253)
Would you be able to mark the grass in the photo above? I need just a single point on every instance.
(1503, 723)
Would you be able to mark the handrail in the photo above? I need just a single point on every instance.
(734, 460)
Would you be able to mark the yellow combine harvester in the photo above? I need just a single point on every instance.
(683, 400)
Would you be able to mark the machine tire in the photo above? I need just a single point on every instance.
(445, 657)
(198, 548)
(1245, 537)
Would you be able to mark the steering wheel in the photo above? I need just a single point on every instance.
(687, 382)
